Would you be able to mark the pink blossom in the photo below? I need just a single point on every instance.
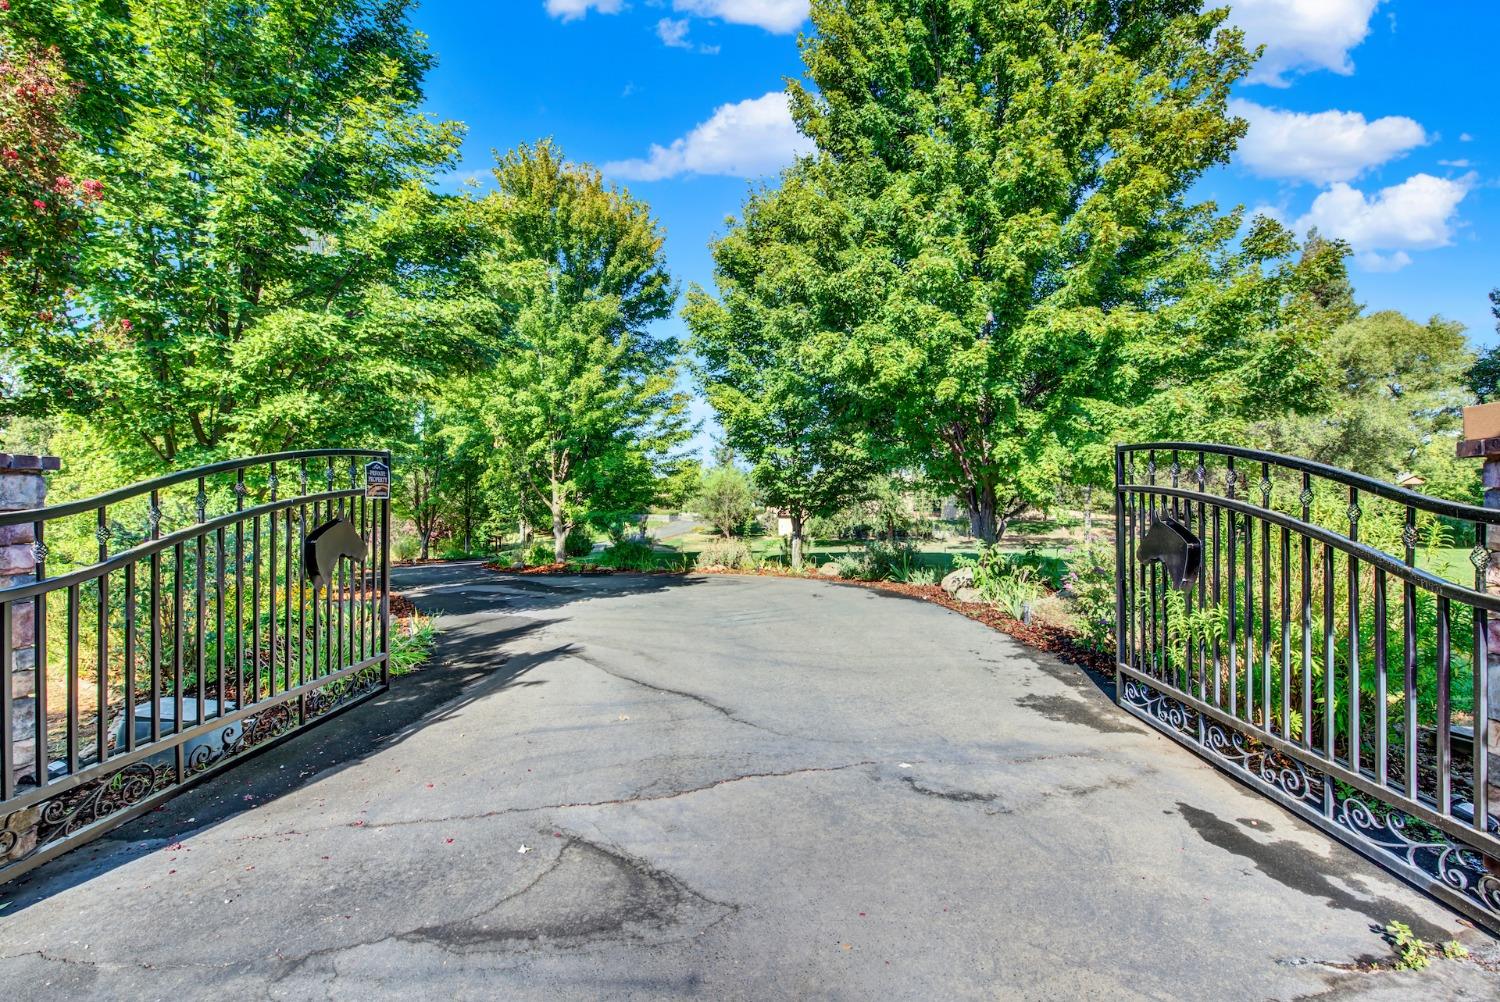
(125, 325)
(4, 5)
(45, 316)
(93, 188)
(11, 155)
(63, 185)
(39, 205)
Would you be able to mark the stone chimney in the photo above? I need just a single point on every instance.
(23, 485)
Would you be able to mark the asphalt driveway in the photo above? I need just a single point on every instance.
(719, 787)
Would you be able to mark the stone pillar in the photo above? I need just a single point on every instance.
(23, 485)
(1482, 441)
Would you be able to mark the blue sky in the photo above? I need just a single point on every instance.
(1374, 119)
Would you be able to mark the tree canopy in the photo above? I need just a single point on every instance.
(244, 282)
(584, 409)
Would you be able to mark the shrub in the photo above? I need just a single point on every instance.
(1009, 581)
(855, 566)
(404, 546)
(580, 541)
(540, 553)
(1051, 570)
(890, 560)
(877, 561)
(730, 553)
(1091, 583)
(1015, 591)
(919, 576)
(629, 556)
(726, 499)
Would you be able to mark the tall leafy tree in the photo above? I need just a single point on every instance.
(809, 453)
(583, 408)
(1484, 378)
(248, 283)
(1011, 177)
(1397, 391)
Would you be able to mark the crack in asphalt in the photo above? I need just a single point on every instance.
(635, 798)
(957, 796)
(719, 708)
(112, 965)
(656, 900)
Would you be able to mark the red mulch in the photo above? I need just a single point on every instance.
(584, 569)
(401, 606)
(1055, 640)
(1044, 637)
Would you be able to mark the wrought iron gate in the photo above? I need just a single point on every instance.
(1312, 655)
(178, 625)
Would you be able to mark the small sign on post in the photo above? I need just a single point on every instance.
(377, 480)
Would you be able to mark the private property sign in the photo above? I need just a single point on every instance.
(377, 480)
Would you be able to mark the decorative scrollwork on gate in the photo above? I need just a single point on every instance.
(84, 805)
(1406, 842)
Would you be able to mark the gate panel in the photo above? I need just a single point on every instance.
(181, 624)
(1311, 656)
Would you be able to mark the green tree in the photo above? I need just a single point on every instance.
(726, 499)
(809, 453)
(1010, 181)
(423, 471)
(678, 485)
(248, 283)
(1398, 387)
(582, 409)
(1484, 378)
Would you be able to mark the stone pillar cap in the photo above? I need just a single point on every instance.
(13, 463)
(1477, 448)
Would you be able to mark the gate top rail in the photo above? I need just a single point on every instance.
(1370, 485)
(81, 505)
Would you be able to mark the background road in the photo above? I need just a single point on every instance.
(723, 787)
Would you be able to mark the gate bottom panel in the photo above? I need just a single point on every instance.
(1427, 858)
(34, 834)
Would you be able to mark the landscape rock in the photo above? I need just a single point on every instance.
(955, 580)
(830, 570)
(518, 565)
(968, 594)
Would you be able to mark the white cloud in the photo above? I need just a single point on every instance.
(673, 32)
(570, 10)
(780, 16)
(1302, 35)
(1460, 164)
(1375, 261)
(750, 138)
(1322, 147)
(1416, 214)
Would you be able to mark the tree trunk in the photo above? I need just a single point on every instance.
(524, 531)
(796, 541)
(982, 524)
(559, 527)
(468, 521)
(426, 540)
